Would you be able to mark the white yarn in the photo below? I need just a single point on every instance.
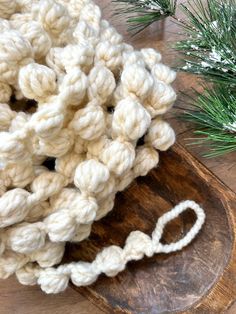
(96, 97)
(113, 259)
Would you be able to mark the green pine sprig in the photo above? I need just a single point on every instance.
(213, 114)
(209, 47)
(142, 13)
(209, 50)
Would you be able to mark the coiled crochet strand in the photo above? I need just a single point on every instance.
(113, 259)
(96, 100)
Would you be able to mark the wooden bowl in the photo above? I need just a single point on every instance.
(199, 279)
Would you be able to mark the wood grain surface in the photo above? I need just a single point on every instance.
(176, 282)
(18, 299)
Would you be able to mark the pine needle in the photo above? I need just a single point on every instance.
(209, 49)
(214, 117)
(142, 13)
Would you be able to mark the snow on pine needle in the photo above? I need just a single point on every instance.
(142, 13)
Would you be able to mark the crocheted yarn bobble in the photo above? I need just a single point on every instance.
(96, 97)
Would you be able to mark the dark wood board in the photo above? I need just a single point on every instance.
(199, 279)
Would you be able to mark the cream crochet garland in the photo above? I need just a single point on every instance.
(96, 96)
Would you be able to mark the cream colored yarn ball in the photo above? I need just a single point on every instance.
(96, 97)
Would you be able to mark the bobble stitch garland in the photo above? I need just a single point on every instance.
(96, 97)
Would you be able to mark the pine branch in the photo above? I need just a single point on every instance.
(214, 116)
(209, 50)
(210, 44)
(142, 13)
